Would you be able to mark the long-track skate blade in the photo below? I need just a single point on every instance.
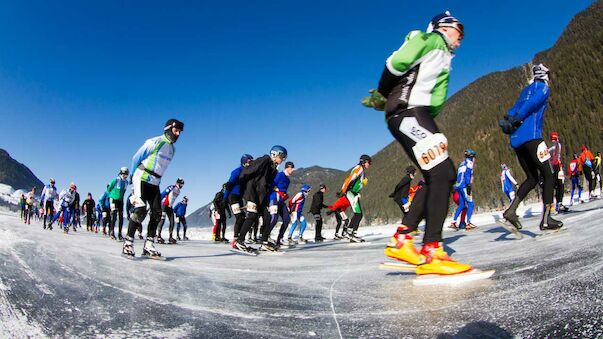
(509, 227)
(271, 252)
(551, 234)
(252, 253)
(154, 257)
(129, 257)
(453, 279)
(398, 266)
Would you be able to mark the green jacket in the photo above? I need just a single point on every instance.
(417, 73)
(117, 188)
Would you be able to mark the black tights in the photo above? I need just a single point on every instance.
(527, 155)
(418, 124)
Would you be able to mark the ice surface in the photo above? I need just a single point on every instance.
(78, 285)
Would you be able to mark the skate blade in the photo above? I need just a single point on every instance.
(129, 257)
(154, 257)
(252, 253)
(398, 266)
(551, 234)
(509, 227)
(452, 279)
(360, 244)
(271, 253)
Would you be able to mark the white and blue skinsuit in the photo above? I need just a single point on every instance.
(508, 183)
(463, 187)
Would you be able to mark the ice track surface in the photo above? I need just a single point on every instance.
(78, 285)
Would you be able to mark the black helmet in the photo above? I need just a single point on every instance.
(246, 158)
(365, 158)
(289, 164)
(173, 123)
(180, 181)
(411, 170)
(167, 129)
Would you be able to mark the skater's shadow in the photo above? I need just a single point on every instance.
(506, 235)
(580, 211)
(528, 213)
(402, 273)
(199, 256)
(449, 241)
(478, 329)
(315, 245)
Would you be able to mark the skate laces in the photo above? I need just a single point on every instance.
(149, 246)
(433, 251)
(398, 240)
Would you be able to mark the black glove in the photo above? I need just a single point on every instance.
(228, 186)
(468, 189)
(509, 124)
(41, 204)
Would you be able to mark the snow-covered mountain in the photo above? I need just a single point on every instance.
(10, 195)
(17, 175)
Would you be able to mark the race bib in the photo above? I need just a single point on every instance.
(431, 151)
(236, 208)
(252, 207)
(273, 209)
(543, 152)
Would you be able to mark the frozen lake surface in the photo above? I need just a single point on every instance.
(78, 285)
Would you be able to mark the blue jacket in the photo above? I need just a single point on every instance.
(463, 176)
(234, 181)
(180, 209)
(104, 201)
(281, 183)
(529, 108)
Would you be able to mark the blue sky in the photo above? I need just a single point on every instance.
(83, 84)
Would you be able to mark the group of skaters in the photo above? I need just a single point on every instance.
(52, 206)
(412, 91)
(256, 194)
(582, 164)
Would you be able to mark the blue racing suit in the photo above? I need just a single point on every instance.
(233, 186)
(463, 187)
(277, 204)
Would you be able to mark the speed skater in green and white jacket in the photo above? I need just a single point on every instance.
(417, 73)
